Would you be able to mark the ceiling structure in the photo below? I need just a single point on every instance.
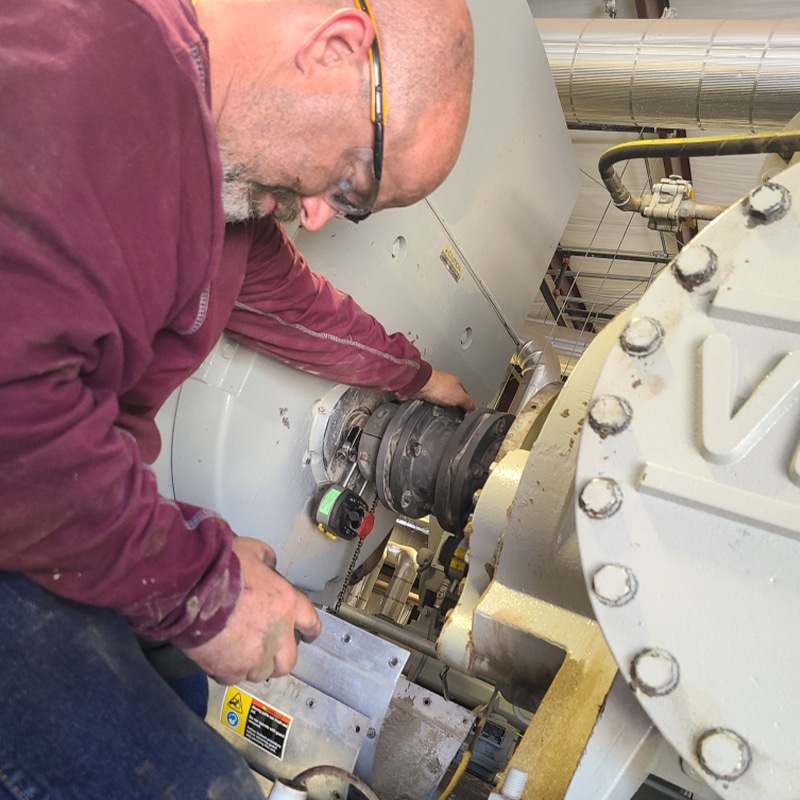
(607, 258)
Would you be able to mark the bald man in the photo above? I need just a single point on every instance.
(149, 150)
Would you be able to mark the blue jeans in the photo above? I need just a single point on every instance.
(84, 716)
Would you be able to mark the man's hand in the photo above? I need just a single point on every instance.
(259, 639)
(445, 389)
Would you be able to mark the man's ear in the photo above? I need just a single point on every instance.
(346, 34)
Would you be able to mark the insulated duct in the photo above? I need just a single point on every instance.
(723, 74)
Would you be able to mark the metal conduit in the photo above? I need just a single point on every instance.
(671, 73)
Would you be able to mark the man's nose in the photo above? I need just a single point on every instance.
(315, 212)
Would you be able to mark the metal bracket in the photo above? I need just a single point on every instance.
(664, 207)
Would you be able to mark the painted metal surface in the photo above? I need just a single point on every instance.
(693, 574)
(554, 743)
(458, 273)
(244, 436)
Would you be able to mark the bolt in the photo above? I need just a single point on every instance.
(371, 733)
(407, 497)
(614, 585)
(346, 638)
(413, 449)
(642, 336)
(655, 672)
(601, 498)
(694, 266)
(394, 661)
(724, 754)
(310, 702)
(768, 203)
(610, 415)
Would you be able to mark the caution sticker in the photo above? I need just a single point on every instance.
(454, 267)
(254, 720)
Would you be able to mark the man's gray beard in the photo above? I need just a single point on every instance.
(240, 197)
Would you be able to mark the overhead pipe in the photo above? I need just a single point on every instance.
(674, 73)
(785, 144)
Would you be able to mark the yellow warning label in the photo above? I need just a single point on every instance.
(454, 267)
(254, 720)
(236, 703)
(459, 560)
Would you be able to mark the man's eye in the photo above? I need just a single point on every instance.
(342, 201)
(348, 180)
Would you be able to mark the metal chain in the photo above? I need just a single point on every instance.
(353, 562)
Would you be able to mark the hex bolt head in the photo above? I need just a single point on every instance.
(655, 672)
(695, 266)
(614, 585)
(768, 203)
(610, 415)
(413, 449)
(601, 498)
(724, 754)
(642, 336)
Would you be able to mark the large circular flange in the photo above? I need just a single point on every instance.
(388, 448)
(466, 464)
(418, 455)
(688, 498)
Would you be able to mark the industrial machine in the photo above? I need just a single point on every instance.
(590, 590)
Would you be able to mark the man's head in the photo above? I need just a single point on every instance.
(292, 85)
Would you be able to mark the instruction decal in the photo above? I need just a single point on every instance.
(454, 267)
(254, 720)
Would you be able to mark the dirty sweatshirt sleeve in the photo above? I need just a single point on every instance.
(109, 230)
(296, 316)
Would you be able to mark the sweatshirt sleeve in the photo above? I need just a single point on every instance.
(290, 313)
(108, 201)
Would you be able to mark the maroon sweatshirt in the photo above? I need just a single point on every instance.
(117, 276)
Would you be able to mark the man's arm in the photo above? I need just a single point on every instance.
(100, 151)
(290, 313)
